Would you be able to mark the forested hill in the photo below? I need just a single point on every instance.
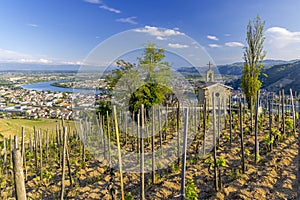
(235, 69)
(284, 75)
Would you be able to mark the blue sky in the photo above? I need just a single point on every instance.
(65, 31)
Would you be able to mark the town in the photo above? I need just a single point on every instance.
(32, 104)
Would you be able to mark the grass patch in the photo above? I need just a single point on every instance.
(14, 126)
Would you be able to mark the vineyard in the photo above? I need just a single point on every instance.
(201, 152)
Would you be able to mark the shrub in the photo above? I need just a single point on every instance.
(258, 157)
(269, 140)
(289, 123)
(247, 153)
(129, 196)
(191, 190)
(221, 162)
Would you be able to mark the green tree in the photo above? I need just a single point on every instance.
(253, 57)
(149, 95)
(153, 66)
(104, 106)
(156, 75)
(124, 68)
(145, 82)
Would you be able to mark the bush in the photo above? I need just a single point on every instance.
(289, 123)
(268, 140)
(258, 157)
(191, 190)
(247, 153)
(221, 162)
(129, 196)
(246, 130)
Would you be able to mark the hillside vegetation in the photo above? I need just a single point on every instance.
(14, 126)
(278, 76)
(284, 75)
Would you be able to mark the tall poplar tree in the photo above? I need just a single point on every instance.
(253, 56)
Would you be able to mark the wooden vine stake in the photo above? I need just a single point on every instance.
(62, 191)
(214, 144)
(159, 129)
(178, 133)
(108, 139)
(35, 149)
(293, 112)
(242, 136)
(142, 153)
(69, 166)
(10, 150)
(5, 156)
(183, 167)
(153, 143)
(283, 115)
(41, 155)
(18, 175)
(16, 142)
(219, 120)
(30, 143)
(138, 136)
(166, 123)
(119, 152)
(251, 114)
(256, 144)
(230, 120)
(204, 126)
(47, 144)
(270, 124)
(23, 150)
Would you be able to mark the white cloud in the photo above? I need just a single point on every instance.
(281, 37)
(160, 38)
(234, 44)
(227, 34)
(33, 25)
(212, 37)
(13, 56)
(105, 7)
(159, 33)
(177, 45)
(282, 43)
(214, 45)
(72, 62)
(40, 61)
(130, 20)
(93, 1)
(8, 56)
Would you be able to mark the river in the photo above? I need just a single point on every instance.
(45, 86)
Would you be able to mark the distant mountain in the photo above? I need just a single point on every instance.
(283, 76)
(279, 76)
(189, 72)
(235, 69)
